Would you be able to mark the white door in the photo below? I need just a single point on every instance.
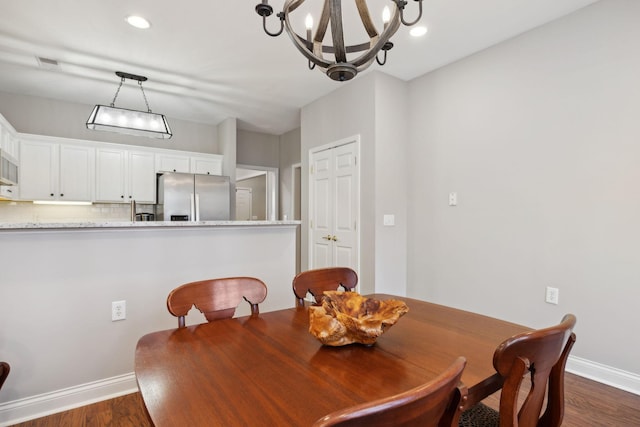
(334, 206)
(243, 204)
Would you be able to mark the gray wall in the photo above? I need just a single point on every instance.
(258, 186)
(42, 116)
(345, 112)
(374, 107)
(540, 138)
(258, 149)
(289, 156)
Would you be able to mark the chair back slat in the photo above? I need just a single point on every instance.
(319, 280)
(216, 298)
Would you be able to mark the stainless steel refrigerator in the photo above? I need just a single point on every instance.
(193, 197)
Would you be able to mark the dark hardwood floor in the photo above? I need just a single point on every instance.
(588, 404)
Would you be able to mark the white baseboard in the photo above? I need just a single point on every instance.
(614, 377)
(29, 408)
(61, 400)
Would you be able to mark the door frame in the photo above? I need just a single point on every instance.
(296, 194)
(355, 139)
(272, 184)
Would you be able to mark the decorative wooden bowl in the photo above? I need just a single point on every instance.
(348, 317)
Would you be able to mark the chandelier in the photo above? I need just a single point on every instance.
(340, 67)
(131, 122)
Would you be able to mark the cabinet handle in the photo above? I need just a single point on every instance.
(61, 194)
(129, 196)
(122, 197)
(51, 194)
(174, 170)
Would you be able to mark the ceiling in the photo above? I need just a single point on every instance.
(208, 60)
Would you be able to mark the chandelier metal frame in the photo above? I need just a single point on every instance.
(339, 68)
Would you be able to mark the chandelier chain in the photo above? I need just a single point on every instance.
(113, 103)
(144, 96)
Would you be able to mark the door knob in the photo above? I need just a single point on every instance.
(327, 237)
(334, 238)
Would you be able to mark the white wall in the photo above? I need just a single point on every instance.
(57, 287)
(540, 138)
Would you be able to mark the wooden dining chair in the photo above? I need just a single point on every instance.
(434, 404)
(216, 298)
(4, 372)
(541, 355)
(319, 280)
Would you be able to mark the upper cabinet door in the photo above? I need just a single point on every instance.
(110, 175)
(172, 163)
(142, 177)
(38, 170)
(76, 173)
(207, 165)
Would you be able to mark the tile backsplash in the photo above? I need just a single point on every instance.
(17, 212)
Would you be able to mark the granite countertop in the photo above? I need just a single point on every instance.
(139, 224)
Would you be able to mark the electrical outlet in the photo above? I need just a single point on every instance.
(453, 199)
(118, 310)
(552, 295)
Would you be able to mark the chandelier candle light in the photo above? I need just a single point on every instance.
(131, 122)
(313, 47)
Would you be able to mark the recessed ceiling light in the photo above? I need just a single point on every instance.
(138, 22)
(418, 31)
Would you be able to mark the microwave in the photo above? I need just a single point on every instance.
(8, 169)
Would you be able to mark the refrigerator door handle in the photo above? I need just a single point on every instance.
(197, 207)
(192, 206)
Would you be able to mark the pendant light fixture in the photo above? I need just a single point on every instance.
(340, 68)
(131, 122)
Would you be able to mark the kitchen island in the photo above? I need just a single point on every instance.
(58, 281)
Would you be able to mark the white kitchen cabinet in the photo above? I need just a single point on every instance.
(56, 172)
(8, 139)
(141, 177)
(209, 165)
(125, 175)
(170, 162)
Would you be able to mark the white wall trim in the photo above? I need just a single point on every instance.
(21, 410)
(37, 406)
(608, 375)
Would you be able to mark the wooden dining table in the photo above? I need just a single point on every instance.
(268, 370)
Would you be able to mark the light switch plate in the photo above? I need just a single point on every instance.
(389, 220)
